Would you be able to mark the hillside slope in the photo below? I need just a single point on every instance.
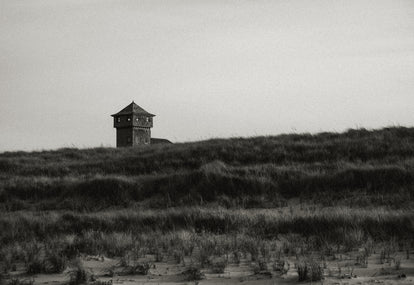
(359, 166)
(268, 206)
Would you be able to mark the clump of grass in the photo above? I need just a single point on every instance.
(281, 266)
(52, 262)
(362, 259)
(193, 274)
(17, 281)
(137, 268)
(55, 263)
(206, 251)
(236, 257)
(397, 264)
(159, 256)
(250, 245)
(99, 282)
(265, 251)
(110, 272)
(79, 275)
(36, 266)
(7, 265)
(32, 256)
(309, 270)
(260, 267)
(178, 256)
(218, 266)
(386, 252)
(407, 249)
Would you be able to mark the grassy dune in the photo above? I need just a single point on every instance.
(267, 197)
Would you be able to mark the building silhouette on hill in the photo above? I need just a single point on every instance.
(133, 127)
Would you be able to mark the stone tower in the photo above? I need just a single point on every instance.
(133, 126)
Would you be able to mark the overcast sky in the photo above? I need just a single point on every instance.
(206, 68)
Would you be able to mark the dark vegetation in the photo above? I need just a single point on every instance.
(265, 197)
(377, 167)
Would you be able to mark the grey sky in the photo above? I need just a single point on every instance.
(206, 68)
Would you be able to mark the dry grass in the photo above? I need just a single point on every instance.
(262, 199)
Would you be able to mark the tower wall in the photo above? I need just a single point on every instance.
(141, 136)
(123, 137)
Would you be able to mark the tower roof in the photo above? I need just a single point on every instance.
(133, 109)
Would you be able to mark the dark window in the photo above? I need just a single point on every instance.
(129, 139)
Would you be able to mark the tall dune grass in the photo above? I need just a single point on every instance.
(331, 224)
(289, 194)
(389, 145)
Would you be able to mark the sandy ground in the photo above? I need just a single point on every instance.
(169, 272)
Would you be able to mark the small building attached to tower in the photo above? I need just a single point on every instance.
(133, 126)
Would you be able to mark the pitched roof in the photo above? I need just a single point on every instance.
(133, 109)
